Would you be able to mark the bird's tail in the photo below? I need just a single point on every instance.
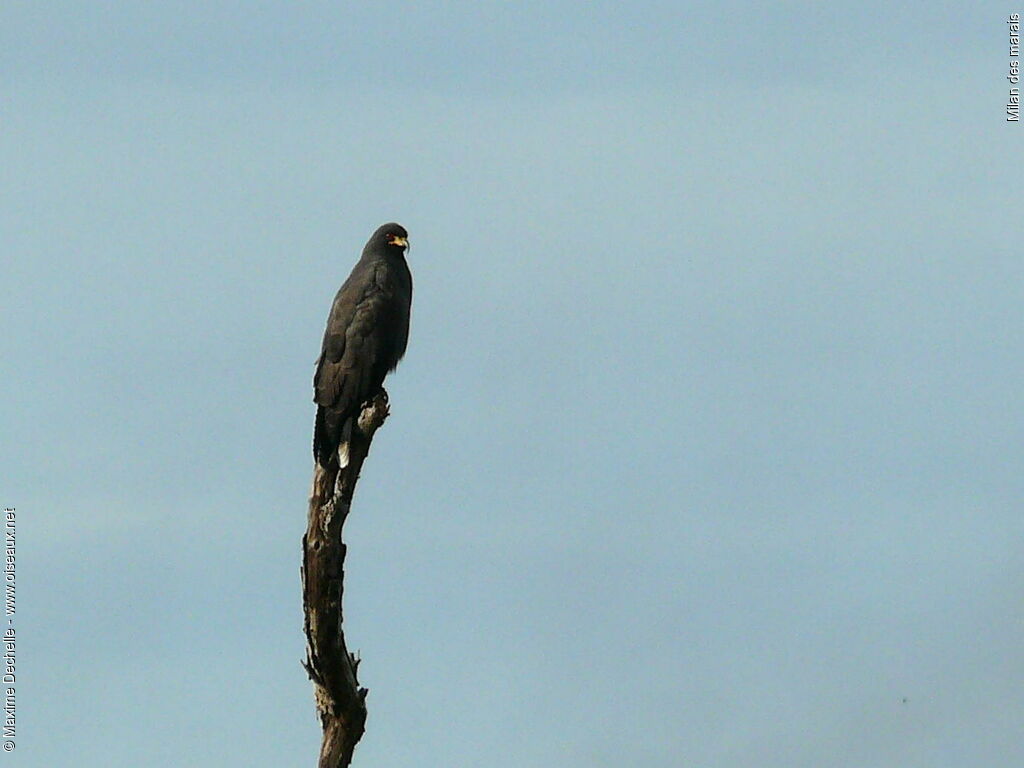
(319, 436)
(331, 433)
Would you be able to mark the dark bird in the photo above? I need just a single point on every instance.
(366, 335)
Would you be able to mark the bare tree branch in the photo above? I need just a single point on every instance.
(340, 702)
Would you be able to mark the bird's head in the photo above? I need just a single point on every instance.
(390, 237)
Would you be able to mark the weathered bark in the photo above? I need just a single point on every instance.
(340, 702)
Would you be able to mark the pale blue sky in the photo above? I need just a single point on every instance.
(707, 449)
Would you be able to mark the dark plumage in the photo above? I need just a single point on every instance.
(366, 335)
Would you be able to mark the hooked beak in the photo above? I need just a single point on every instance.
(396, 240)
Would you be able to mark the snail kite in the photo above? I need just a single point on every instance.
(366, 335)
